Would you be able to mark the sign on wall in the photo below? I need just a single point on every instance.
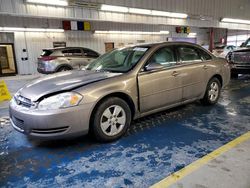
(59, 44)
(76, 25)
(182, 29)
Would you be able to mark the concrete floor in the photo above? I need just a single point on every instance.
(231, 169)
(153, 148)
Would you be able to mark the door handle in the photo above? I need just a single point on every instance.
(205, 67)
(175, 73)
(69, 59)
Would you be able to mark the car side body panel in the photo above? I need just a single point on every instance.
(163, 85)
(145, 91)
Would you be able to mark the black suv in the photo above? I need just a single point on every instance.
(240, 60)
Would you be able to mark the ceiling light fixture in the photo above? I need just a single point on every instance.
(231, 20)
(164, 32)
(192, 35)
(112, 8)
(21, 29)
(169, 14)
(50, 2)
(140, 11)
(132, 32)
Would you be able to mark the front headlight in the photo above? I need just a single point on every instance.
(62, 100)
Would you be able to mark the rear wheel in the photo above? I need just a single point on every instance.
(212, 92)
(111, 119)
(64, 68)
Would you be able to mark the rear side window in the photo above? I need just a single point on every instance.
(188, 54)
(72, 52)
(90, 53)
(164, 56)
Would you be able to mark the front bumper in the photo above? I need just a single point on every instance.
(51, 124)
(245, 70)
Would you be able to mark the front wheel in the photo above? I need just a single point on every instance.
(111, 119)
(212, 92)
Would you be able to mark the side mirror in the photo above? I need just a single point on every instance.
(153, 66)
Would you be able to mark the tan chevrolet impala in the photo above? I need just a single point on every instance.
(119, 86)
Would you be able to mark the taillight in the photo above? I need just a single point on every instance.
(47, 58)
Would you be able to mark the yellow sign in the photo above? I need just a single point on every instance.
(4, 93)
(87, 26)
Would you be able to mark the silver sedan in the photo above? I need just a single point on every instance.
(119, 86)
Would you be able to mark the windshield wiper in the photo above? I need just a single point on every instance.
(113, 71)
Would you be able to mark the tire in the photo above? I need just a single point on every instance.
(110, 120)
(64, 68)
(213, 91)
(234, 75)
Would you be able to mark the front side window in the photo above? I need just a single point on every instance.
(164, 56)
(120, 60)
(188, 54)
(205, 55)
(72, 52)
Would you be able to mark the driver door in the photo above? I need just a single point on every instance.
(163, 86)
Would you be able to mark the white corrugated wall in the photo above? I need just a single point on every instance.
(214, 9)
(34, 43)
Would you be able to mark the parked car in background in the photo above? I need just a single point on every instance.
(63, 59)
(223, 50)
(240, 60)
(119, 86)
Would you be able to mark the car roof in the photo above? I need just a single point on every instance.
(65, 48)
(164, 42)
(155, 44)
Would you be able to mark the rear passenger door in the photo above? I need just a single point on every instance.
(74, 57)
(194, 71)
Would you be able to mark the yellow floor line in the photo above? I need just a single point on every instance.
(173, 178)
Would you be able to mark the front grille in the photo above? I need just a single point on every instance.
(242, 58)
(20, 100)
(18, 122)
(49, 131)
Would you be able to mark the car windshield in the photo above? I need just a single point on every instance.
(246, 43)
(120, 60)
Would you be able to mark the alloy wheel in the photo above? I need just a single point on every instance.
(213, 92)
(113, 120)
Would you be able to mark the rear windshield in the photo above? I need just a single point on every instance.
(46, 53)
(52, 53)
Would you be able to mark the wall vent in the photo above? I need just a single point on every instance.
(84, 4)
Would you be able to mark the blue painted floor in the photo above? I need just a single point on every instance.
(153, 148)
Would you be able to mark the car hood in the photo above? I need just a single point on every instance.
(242, 50)
(59, 82)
